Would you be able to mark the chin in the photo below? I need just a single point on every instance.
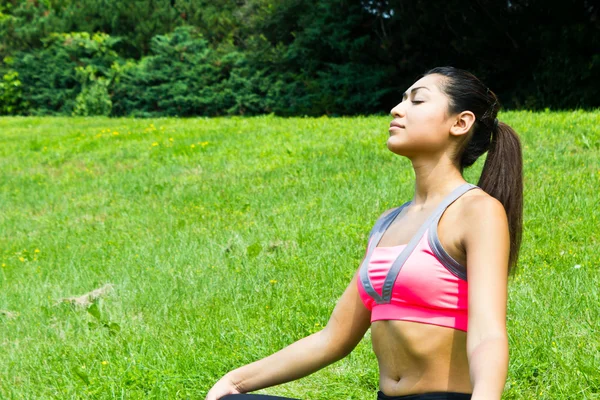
(396, 146)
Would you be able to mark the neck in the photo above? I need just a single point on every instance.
(434, 179)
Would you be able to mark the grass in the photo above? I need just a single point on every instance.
(227, 239)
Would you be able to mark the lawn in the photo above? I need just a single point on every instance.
(215, 242)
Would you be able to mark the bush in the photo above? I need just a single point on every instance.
(50, 77)
(93, 98)
(184, 76)
(11, 94)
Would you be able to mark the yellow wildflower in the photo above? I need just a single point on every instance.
(21, 259)
(155, 144)
(192, 145)
(273, 281)
(104, 362)
(37, 250)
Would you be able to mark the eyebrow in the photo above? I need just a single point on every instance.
(405, 95)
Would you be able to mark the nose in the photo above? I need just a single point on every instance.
(397, 111)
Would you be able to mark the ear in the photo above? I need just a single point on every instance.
(462, 123)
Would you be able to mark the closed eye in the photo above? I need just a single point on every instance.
(416, 102)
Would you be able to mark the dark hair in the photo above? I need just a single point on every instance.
(502, 175)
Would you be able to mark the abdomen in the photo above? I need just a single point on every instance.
(418, 358)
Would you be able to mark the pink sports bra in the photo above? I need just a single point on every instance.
(417, 281)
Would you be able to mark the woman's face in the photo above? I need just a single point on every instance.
(421, 121)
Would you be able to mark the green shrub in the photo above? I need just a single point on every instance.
(184, 76)
(11, 94)
(50, 77)
(93, 98)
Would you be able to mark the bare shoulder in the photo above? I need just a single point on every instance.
(483, 216)
(387, 212)
(477, 207)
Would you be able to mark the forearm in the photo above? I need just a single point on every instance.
(295, 361)
(488, 363)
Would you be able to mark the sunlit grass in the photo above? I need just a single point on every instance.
(227, 239)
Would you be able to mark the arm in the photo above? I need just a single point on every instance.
(487, 248)
(346, 327)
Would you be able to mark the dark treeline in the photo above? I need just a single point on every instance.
(289, 57)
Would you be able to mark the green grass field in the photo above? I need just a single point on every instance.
(227, 239)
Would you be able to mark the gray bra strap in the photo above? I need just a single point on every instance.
(388, 284)
(456, 268)
(374, 237)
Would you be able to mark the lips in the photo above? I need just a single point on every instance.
(395, 124)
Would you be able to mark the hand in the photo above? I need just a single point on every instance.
(223, 387)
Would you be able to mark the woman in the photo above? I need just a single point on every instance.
(433, 284)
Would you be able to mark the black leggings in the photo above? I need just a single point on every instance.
(426, 396)
(254, 397)
(380, 396)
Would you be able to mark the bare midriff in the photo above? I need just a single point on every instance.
(420, 358)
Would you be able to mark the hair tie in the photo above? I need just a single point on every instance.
(495, 124)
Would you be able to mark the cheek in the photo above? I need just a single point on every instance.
(426, 116)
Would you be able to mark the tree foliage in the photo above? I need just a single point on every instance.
(290, 57)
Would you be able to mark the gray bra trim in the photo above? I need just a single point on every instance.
(456, 268)
(377, 233)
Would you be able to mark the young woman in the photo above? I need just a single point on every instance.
(433, 284)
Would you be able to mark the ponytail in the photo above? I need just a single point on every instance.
(502, 178)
